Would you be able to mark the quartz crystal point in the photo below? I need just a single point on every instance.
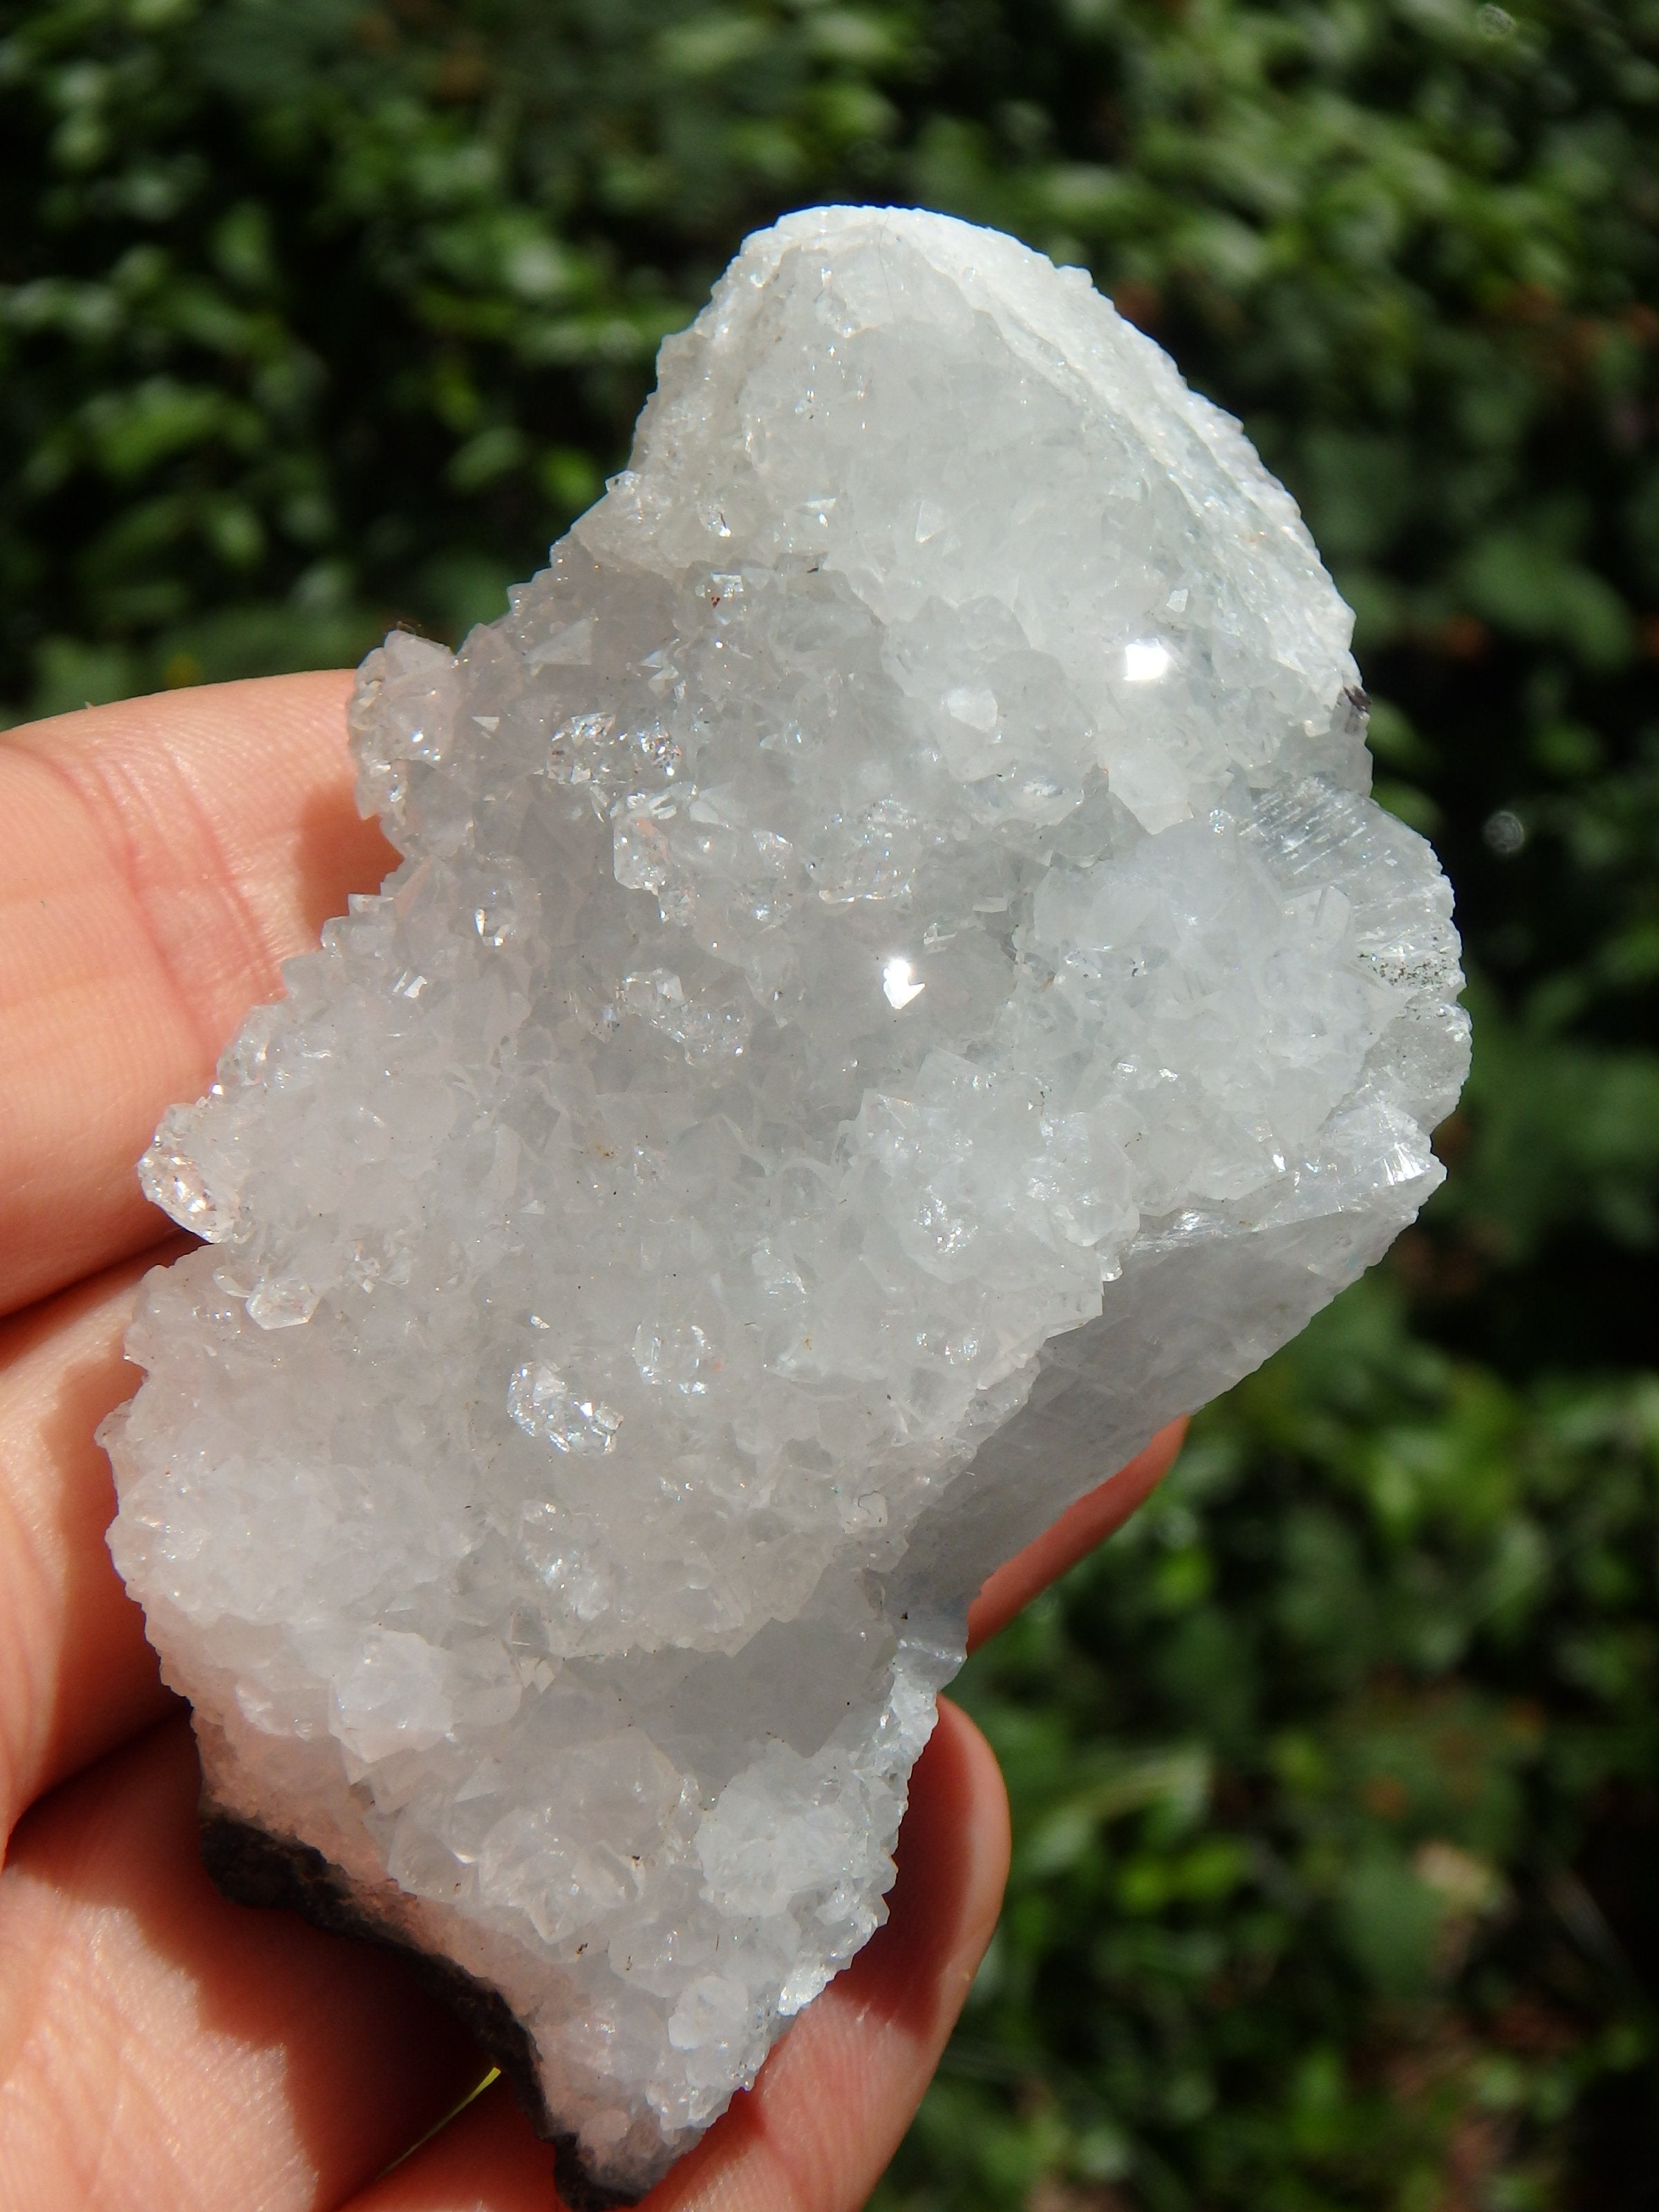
(895, 988)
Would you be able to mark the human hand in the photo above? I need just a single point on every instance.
(159, 2046)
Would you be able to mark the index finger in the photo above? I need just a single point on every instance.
(160, 860)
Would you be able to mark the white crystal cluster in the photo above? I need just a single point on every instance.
(895, 989)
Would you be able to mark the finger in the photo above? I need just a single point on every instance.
(160, 2047)
(836, 2095)
(161, 858)
(1077, 1532)
(76, 1676)
(487, 2159)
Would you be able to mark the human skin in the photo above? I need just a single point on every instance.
(159, 2047)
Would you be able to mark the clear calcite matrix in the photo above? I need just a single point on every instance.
(895, 988)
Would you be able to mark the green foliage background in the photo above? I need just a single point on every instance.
(1336, 1779)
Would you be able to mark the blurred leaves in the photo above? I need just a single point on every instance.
(1335, 1778)
(1291, 1910)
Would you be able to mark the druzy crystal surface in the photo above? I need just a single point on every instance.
(895, 989)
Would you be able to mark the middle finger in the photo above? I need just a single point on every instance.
(76, 1677)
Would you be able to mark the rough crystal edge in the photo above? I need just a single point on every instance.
(252, 1866)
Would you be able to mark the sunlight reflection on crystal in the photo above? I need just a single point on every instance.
(898, 984)
(1144, 659)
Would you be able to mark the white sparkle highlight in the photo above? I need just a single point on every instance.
(898, 986)
(1146, 659)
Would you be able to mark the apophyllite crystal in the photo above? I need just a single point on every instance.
(895, 989)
